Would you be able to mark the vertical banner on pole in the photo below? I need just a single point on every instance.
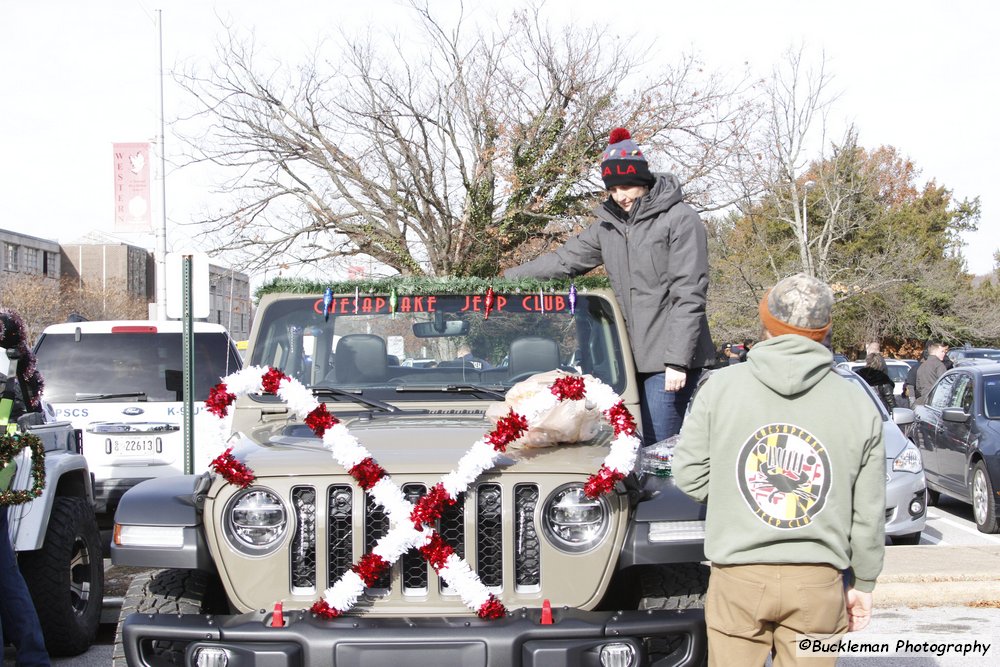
(132, 182)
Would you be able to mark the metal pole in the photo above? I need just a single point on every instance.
(187, 340)
(161, 233)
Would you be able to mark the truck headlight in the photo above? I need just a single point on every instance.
(256, 520)
(573, 522)
(908, 460)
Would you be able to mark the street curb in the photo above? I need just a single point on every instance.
(935, 576)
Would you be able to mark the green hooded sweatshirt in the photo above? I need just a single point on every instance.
(790, 460)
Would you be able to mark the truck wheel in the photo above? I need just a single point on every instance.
(66, 577)
(168, 592)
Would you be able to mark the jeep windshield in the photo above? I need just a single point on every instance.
(438, 343)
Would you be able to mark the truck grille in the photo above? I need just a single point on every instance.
(472, 526)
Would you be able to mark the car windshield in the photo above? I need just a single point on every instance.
(898, 372)
(437, 343)
(129, 366)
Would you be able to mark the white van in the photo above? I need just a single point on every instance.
(121, 383)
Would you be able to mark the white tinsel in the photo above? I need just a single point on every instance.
(480, 457)
(623, 453)
(345, 593)
(458, 575)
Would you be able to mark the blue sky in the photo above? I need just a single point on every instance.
(78, 76)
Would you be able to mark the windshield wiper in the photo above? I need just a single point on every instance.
(354, 395)
(496, 391)
(139, 395)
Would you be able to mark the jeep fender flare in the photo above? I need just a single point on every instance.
(662, 502)
(164, 502)
(65, 475)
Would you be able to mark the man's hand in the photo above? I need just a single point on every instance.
(674, 379)
(859, 610)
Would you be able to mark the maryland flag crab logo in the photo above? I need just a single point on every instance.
(784, 475)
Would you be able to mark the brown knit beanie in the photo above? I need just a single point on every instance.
(799, 304)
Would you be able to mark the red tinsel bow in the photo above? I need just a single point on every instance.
(271, 379)
(370, 568)
(602, 482)
(232, 469)
(219, 399)
(368, 473)
(428, 509)
(508, 429)
(569, 388)
(320, 419)
(322, 609)
(621, 419)
(492, 609)
(436, 552)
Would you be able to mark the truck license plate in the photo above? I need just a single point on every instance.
(134, 446)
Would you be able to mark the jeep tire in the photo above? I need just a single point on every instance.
(168, 592)
(66, 577)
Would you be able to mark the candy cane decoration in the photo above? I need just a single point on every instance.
(410, 521)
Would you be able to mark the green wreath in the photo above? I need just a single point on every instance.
(10, 446)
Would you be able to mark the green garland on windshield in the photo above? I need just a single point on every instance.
(429, 285)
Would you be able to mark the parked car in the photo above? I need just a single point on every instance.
(958, 433)
(120, 382)
(897, 370)
(905, 486)
(961, 353)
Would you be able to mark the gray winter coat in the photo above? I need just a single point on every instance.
(658, 266)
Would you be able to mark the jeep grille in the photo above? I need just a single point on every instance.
(484, 538)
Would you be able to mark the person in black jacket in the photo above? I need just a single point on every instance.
(655, 250)
(876, 374)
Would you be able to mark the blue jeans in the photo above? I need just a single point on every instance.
(662, 410)
(18, 620)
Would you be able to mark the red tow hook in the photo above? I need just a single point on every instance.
(277, 618)
(546, 612)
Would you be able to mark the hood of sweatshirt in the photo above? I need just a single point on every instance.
(769, 363)
(665, 192)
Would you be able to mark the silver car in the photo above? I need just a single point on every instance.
(905, 487)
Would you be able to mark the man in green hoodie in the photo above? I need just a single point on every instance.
(795, 488)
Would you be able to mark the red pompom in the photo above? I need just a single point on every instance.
(319, 420)
(569, 388)
(621, 419)
(602, 482)
(428, 509)
(368, 473)
(507, 430)
(492, 609)
(271, 379)
(322, 609)
(219, 399)
(618, 134)
(370, 568)
(436, 552)
(232, 469)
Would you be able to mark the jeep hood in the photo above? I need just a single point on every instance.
(417, 445)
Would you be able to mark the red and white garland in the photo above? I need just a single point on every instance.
(410, 522)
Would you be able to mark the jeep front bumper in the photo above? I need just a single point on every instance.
(575, 638)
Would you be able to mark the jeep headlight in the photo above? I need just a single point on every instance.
(572, 521)
(908, 459)
(256, 520)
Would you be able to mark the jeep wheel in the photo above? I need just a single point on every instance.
(168, 592)
(66, 577)
(678, 586)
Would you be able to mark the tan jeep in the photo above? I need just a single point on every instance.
(242, 568)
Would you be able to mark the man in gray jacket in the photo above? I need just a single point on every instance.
(655, 250)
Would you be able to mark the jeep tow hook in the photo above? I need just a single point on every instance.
(546, 613)
(278, 617)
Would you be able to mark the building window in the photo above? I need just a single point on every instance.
(31, 260)
(10, 257)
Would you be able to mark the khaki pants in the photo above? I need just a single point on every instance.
(754, 610)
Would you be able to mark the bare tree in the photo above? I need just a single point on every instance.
(445, 152)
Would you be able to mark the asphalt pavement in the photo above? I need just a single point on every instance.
(939, 576)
